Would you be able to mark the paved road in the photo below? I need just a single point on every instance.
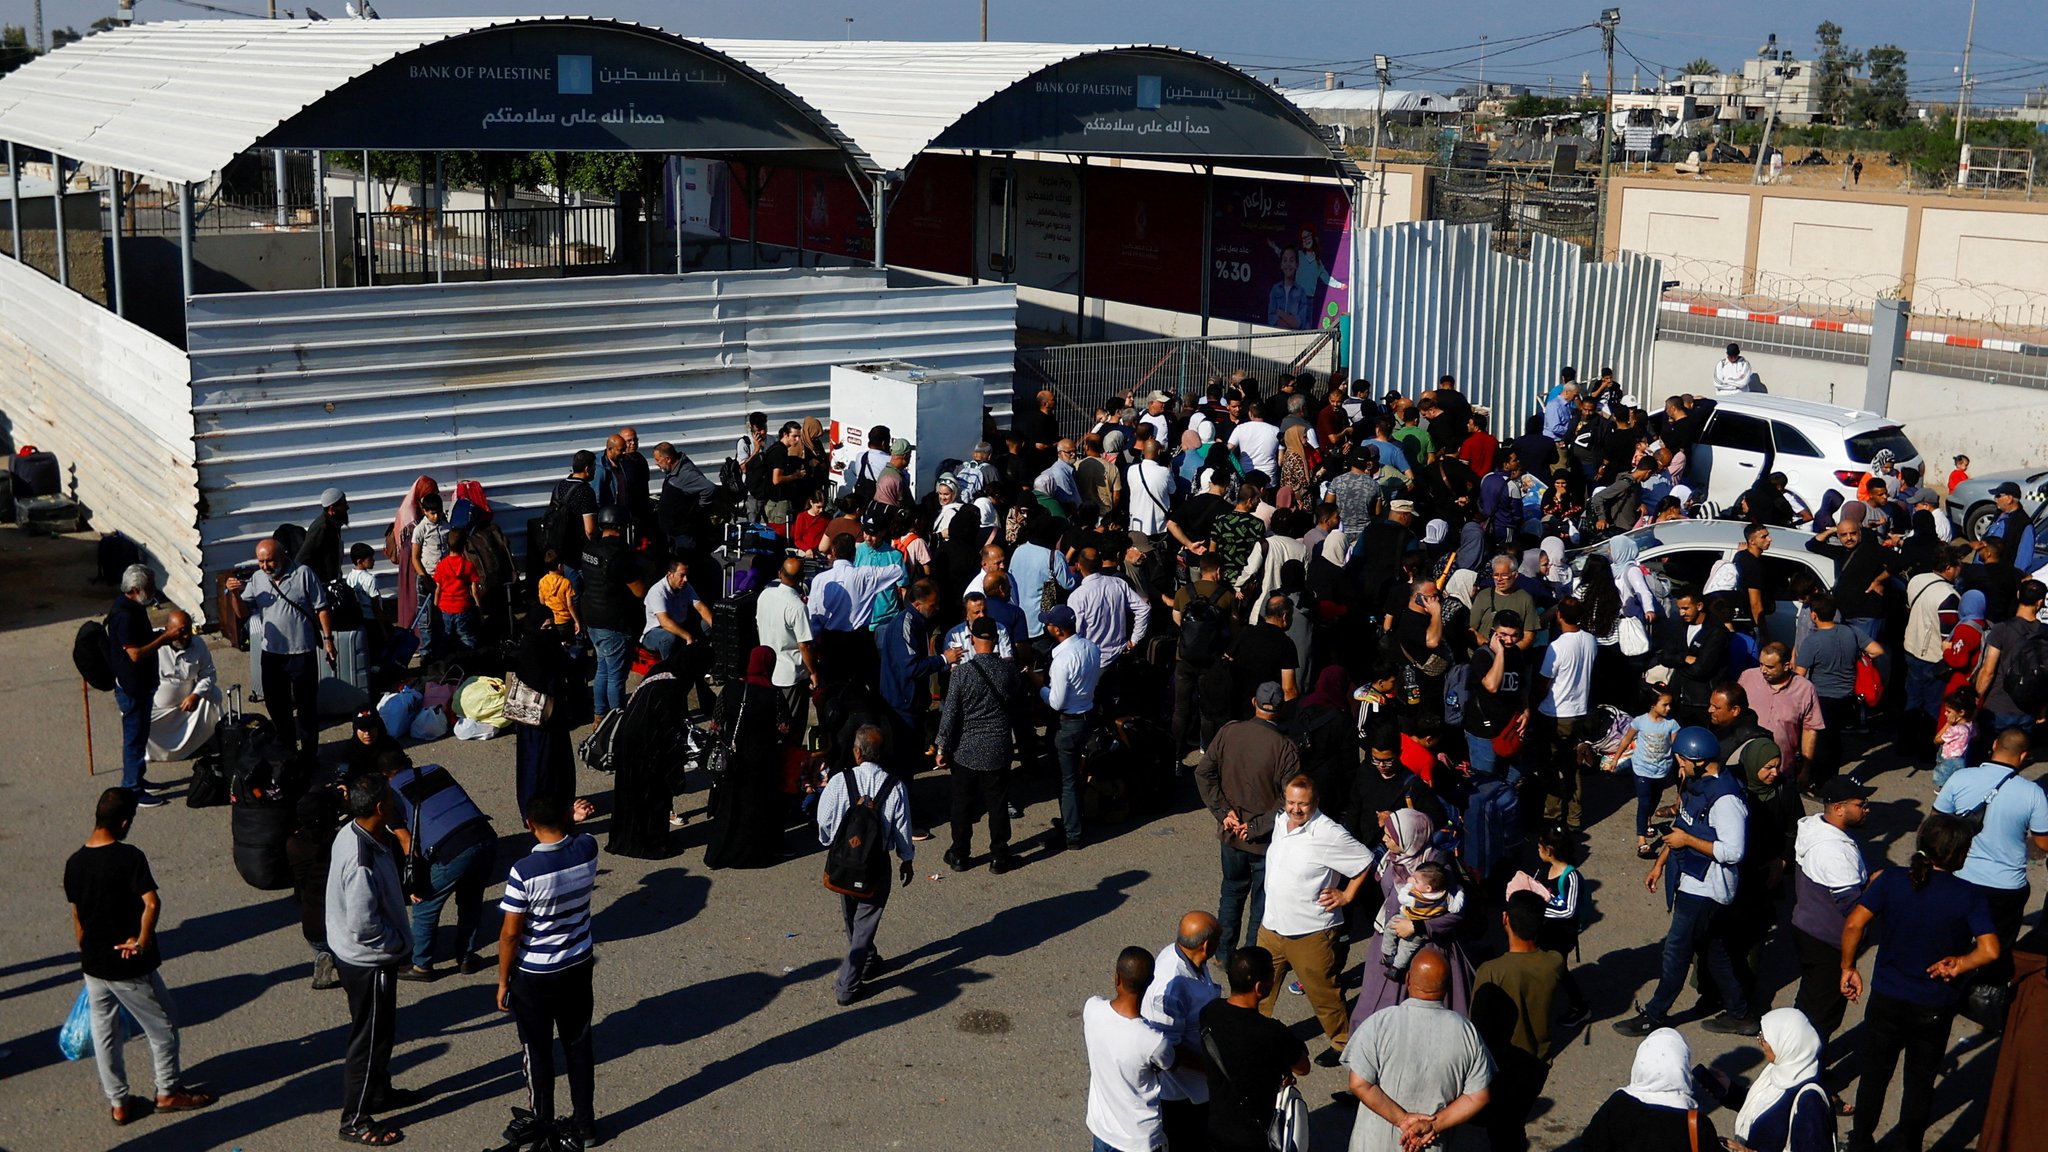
(716, 1027)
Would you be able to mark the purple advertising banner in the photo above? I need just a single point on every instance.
(1279, 253)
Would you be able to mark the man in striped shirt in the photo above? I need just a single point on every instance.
(544, 965)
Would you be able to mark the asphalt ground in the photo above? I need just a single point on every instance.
(716, 1025)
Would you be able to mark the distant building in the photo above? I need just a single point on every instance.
(1351, 111)
(1777, 80)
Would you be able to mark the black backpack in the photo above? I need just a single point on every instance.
(92, 652)
(760, 477)
(112, 557)
(857, 863)
(2025, 679)
(731, 479)
(1201, 630)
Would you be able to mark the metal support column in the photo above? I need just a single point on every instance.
(369, 229)
(754, 180)
(57, 218)
(675, 193)
(1354, 299)
(1208, 239)
(440, 252)
(490, 229)
(320, 208)
(1081, 248)
(881, 211)
(114, 249)
(1887, 343)
(562, 213)
(14, 201)
(185, 238)
(277, 173)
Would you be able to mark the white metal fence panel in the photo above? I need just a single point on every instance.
(1438, 299)
(369, 389)
(110, 400)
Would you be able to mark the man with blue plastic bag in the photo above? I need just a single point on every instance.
(114, 911)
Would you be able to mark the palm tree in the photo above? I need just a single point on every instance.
(1701, 67)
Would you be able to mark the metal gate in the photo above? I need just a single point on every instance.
(1084, 375)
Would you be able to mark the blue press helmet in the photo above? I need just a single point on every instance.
(1696, 743)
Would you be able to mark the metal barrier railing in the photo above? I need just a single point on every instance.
(1084, 375)
(419, 244)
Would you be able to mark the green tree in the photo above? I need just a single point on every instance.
(1882, 102)
(1701, 66)
(59, 37)
(104, 24)
(1835, 90)
(13, 36)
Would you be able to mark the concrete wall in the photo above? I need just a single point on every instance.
(1983, 260)
(1998, 426)
(84, 264)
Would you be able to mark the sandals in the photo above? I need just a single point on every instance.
(371, 1134)
(1647, 850)
(1667, 812)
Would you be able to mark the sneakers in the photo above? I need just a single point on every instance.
(1015, 812)
(1639, 1025)
(473, 964)
(524, 1129)
(144, 798)
(1578, 1018)
(1729, 1024)
(1294, 987)
(416, 973)
(324, 975)
(1329, 1058)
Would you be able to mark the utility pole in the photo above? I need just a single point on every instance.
(1610, 19)
(849, 29)
(984, 21)
(1763, 148)
(1482, 67)
(1379, 117)
(39, 46)
(1962, 97)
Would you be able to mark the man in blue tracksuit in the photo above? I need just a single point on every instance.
(1699, 860)
(903, 648)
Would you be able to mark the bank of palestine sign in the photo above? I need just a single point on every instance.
(537, 87)
(1140, 103)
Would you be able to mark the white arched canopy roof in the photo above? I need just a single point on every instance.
(179, 100)
(895, 99)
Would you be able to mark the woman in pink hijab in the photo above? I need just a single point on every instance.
(398, 548)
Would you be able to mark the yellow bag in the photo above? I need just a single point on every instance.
(482, 699)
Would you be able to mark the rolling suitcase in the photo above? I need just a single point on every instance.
(345, 680)
(35, 474)
(733, 634)
(210, 785)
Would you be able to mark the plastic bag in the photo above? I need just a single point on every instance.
(74, 1039)
(468, 729)
(482, 699)
(399, 709)
(430, 724)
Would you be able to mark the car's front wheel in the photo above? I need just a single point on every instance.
(1977, 520)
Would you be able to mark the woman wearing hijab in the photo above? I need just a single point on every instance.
(957, 561)
(1324, 724)
(1297, 480)
(1408, 834)
(1656, 1111)
(544, 759)
(398, 548)
(1774, 809)
(1458, 592)
(1965, 641)
(650, 749)
(1787, 1108)
(747, 805)
(1638, 598)
(816, 449)
(1187, 463)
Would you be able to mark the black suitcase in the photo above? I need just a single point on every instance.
(36, 474)
(211, 787)
(734, 633)
(260, 831)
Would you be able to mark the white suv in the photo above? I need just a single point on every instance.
(1819, 447)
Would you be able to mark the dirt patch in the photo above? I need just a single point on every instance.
(983, 1022)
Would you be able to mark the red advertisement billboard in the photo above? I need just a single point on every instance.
(1142, 240)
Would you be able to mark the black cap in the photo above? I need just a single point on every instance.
(2007, 489)
(983, 629)
(1842, 789)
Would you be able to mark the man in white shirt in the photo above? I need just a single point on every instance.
(1126, 1055)
(841, 604)
(1155, 414)
(1069, 690)
(961, 636)
(1731, 375)
(673, 613)
(1566, 676)
(1181, 987)
(1257, 441)
(863, 914)
(1150, 485)
(783, 625)
(1314, 868)
(1831, 875)
(187, 705)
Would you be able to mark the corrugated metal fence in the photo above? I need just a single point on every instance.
(1084, 375)
(1438, 299)
(500, 383)
(110, 400)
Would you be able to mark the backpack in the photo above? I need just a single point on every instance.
(1201, 630)
(554, 526)
(596, 749)
(860, 485)
(2026, 678)
(92, 653)
(113, 556)
(857, 863)
(1455, 683)
(292, 537)
(731, 479)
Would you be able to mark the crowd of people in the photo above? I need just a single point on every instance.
(1390, 647)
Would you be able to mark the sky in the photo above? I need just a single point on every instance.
(1433, 45)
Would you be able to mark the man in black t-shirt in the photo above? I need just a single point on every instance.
(572, 511)
(1189, 524)
(1249, 1055)
(114, 912)
(133, 645)
(610, 605)
(1037, 434)
(1496, 692)
(1751, 594)
(1265, 652)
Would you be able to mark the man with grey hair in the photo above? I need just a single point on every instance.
(293, 621)
(133, 644)
(863, 914)
(1058, 480)
(1181, 987)
(186, 706)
